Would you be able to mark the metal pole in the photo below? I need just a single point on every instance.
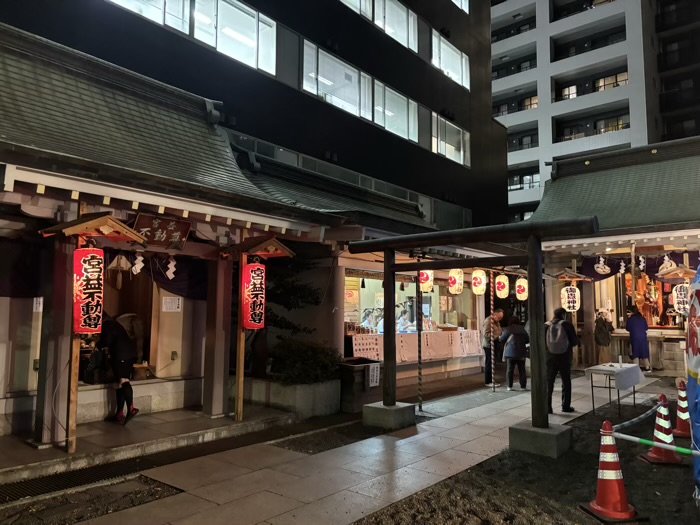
(240, 355)
(419, 329)
(493, 326)
(389, 329)
(538, 352)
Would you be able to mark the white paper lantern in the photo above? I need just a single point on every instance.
(681, 298)
(479, 282)
(521, 289)
(502, 286)
(570, 298)
(426, 281)
(456, 283)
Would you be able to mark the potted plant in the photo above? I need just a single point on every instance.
(303, 378)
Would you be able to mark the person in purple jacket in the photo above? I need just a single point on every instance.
(637, 327)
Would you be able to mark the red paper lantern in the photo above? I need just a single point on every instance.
(88, 290)
(253, 296)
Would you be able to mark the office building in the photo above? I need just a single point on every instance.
(386, 95)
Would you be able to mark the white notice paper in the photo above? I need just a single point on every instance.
(38, 304)
(374, 374)
(172, 304)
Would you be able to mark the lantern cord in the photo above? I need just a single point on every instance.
(493, 325)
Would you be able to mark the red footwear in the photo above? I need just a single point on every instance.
(131, 414)
(115, 418)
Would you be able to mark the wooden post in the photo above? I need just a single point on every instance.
(217, 346)
(389, 329)
(72, 431)
(419, 329)
(240, 354)
(538, 351)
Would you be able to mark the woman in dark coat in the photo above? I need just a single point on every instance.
(637, 327)
(516, 339)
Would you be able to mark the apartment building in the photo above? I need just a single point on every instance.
(571, 77)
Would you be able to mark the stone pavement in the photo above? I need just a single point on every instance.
(265, 484)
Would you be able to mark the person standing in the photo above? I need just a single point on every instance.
(561, 338)
(123, 355)
(516, 339)
(603, 336)
(637, 327)
(493, 320)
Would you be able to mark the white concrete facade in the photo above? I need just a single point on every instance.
(546, 33)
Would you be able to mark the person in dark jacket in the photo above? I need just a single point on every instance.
(637, 327)
(559, 362)
(516, 339)
(122, 355)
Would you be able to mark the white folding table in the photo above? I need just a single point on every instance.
(625, 376)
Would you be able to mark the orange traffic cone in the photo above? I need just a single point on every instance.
(663, 434)
(610, 502)
(682, 429)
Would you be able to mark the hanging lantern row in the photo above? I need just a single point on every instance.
(426, 281)
(521, 289)
(502, 286)
(456, 282)
(570, 298)
(479, 282)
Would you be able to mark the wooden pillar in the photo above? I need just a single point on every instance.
(389, 329)
(50, 418)
(240, 345)
(538, 351)
(218, 339)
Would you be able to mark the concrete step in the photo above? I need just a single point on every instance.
(66, 463)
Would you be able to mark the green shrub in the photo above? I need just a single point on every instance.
(301, 362)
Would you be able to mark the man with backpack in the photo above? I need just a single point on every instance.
(561, 338)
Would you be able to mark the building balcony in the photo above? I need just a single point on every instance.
(682, 58)
(513, 44)
(523, 194)
(583, 134)
(680, 99)
(525, 80)
(523, 154)
(564, 51)
(505, 34)
(585, 142)
(595, 88)
(576, 7)
(608, 56)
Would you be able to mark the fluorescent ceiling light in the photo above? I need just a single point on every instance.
(386, 111)
(325, 81)
(389, 30)
(202, 18)
(239, 37)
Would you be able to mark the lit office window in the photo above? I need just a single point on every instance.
(310, 68)
(246, 36)
(462, 4)
(396, 111)
(379, 103)
(177, 14)
(451, 141)
(267, 44)
(364, 7)
(338, 83)
(398, 22)
(450, 60)
(205, 21)
(366, 96)
(151, 9)
(237, 32)
(352, 90)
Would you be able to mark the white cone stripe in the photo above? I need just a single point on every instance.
(663, 411)
(607, 440)
(683, 415)
(663, 437)
(682, 404)
(609, 474)
(665, 423)
(609, 457)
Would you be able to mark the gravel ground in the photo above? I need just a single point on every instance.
(87, 504)
(522, 489)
